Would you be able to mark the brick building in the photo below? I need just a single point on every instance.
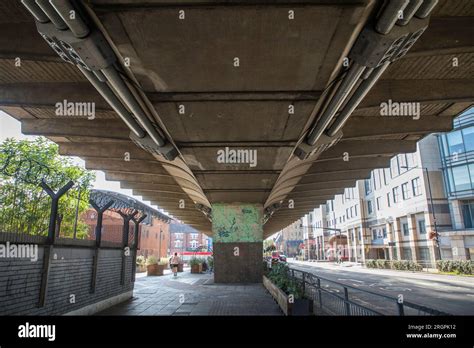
(154, 232)
(186, 241)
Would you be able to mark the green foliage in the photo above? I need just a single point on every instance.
(195, 261)
(140, 260)
(151, 260)
(401, 265)
(210, 261)
(163, 261)
(24, 205)
(456, 266)
(279, 275)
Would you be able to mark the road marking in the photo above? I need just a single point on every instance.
(352, 280)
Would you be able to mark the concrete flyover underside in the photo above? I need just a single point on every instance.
(217, 74)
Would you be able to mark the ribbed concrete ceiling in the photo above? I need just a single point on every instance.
(190, 63)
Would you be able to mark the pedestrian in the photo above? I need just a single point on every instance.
(174, 262)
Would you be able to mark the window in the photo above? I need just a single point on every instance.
(359, 235)
(468, 135)
(402, 163)
(384, 232)
(396, 194)
(461, 177)
(194, 244)
(455, 144)
(422, 226)
(355, 209)
(374, 234)
(405, 191)
(415, 185)
(369, 207)
(394, 167)
(194, 235)
(406, 231)
(386, 172)
(378, 202)
(424, 253)
(388, 200)
(468, 213)
(406, 254)
(178, 243)
(368, 186)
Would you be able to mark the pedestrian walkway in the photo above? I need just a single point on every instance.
(194, 294)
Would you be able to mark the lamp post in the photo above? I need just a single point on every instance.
(432, 206)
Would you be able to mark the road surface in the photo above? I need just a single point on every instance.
(450, 294)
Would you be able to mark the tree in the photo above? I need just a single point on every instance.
(24, 205)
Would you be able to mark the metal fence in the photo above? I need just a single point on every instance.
(334, 298)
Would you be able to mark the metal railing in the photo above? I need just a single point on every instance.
(333, 298)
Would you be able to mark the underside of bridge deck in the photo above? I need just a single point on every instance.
(217, 76)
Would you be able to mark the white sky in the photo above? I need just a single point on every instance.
(11, 128)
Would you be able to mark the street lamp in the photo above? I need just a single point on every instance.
(431, 204)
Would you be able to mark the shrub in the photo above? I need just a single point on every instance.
(371, 263)
(457, 266)
(151, 260)
(210, 261)
(279, 275)
(163, 261)
(195, 261)
(140, 260)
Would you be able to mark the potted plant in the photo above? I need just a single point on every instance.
(196, 265)
(153, 268)
(287, 292)
(141, 264)
(164, 261)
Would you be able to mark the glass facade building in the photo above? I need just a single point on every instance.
(457, 157)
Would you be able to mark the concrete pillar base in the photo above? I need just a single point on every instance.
(238, 262)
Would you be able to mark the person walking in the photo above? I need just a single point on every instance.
(174, 262)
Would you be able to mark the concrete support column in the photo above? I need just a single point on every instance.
(349, 244)
(412, 228)
(238, 242)
(397, 233)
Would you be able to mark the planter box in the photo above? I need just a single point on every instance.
(298, 307)
(155, 270)
(196, 268)
(181, 267)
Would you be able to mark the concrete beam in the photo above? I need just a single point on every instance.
(109, 129)
(117, 150)
(359, 127)
(423, 91)
(35, 94)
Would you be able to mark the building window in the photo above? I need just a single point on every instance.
(374, 234)
(406, 254)
(355, 209)
(378, 202)
(368, 186)
(455, 143)
(406, 231)
(415, 185)
(369, 207)
(468, 213)
(194, 244)
(178, 244)
(194, 235)
(422, 226)
(389, 204)
(424, 253)
(384, 232)
(359, 235)
(396, 194)
(405, 191)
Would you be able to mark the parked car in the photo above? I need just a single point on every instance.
(282, 258)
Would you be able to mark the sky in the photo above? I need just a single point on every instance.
(11, 128)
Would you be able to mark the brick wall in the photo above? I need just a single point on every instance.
(70, 273)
